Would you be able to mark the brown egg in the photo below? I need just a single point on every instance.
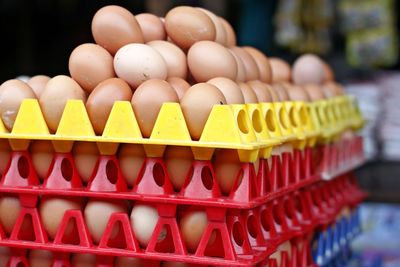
(281, 71)
(261, 90)
(273, 93)
(114, 26)
(137, 63)
(173, 56)
(131, 158)
(180, 85)
(192, 225)
(329, 76)
(298, 93)
(4, 256)
(40, 258)
(226, 167)
(220, 32)
(332, 89)
(54, 97)
(197, 104)
(230, 33)
(101, 101)
(307, 69)
(12, 93)
(144, 219)
(52, 209)
(42, 153)
(5, 154)
(314, 91)
(10, 207)
(97, 214)
(248, 93)
(252, 72)
(241, 70)
(207, 60)
(83, 260)
(38, 83)
(85, 158)
(264, 68)
(129, 262)
(152, 27)
(178, 160)
(187, 25)
(281, 91)
(147, 101)
(229, 89)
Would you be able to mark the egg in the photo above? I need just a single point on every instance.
(229, 89)
(230, 33)
(281, 91)
(248, 93)
(147, 101)
(261, 90)
(174, 57)
(152, 27)
(274, 94)
(250, 65)
(297, 93)
(144, 219)
(187, 25)
(4, 256)
(83, 260)
(281, 71)
(42, 153)
(207, 60)
(178, 160)
(192, 226)
(10, 207)
(129, 262)
(314, 91)
(5, 155)
(54, 97)
(97, 213)
(102, 98)
(241, 70)
(12, 93)
(40, 258)
(197, 104)
(85, 158)
(220, 32)
(180, 85)
(329, 76)
(131, 158)
(52, 209)
(332, 89)
(308, 69)
(114, 26)
(227, 166)
(38, 83)
(262, 62)
(137, 63)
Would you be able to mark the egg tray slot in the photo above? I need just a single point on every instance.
(243, 237)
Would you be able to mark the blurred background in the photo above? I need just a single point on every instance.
(359, 38)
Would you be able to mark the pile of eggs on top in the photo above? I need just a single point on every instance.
(189, 57)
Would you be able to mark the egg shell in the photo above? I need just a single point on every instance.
(54, 97)
(332, 89)
(83, 260)
(40, 258)
(192, 226)
(178, 160)
(174, 57)
(5, 154)
(308, 69)
(42, 153)
(281, 71)
(273, 93)
(12, 93)
(250, 65)
(180, 85)
(229, 89)
(314, 91)
(4, 256)
(241, 70)
(227, 166)
(248, 93)
(144, 219)
(114, 26)
(137, 63)
(38, 83)
(262, 62)
(97, 214)
(281, 91)
(147, 101)
(187, 25)
(85, 158)
(261, 90)
(129, 262)
(197, 104)
(207, 60)
(131, 158)
(152, 27)
(220, 32)
(102, 98)
(329, 75)
(10, 207)
(230, 33)
(297, 93)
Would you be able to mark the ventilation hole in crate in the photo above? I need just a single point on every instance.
(264, 221)
(252, 226)
(277, 217)
(112, 172)
(269, 119)
(288, 209)
(26, 232)
(23, 167)
(297, 204)
(206, 178)
(256, 120)
(215, 245)
(66, 169)
(283, 117)
(292, 117)
(158, 174)
(237, 233)
(242, 122)
(303, 116)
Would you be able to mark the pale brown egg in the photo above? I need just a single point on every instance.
(5, 154)
(114, 26)
(97, 214)
(38, 83)
(229, 89)
(329, 75)
(129, 262)
(281, 71)
(54, 97)
(174, 57)
(187, 25)
(85, 157)
(281, 91)
(250, 65)
(144, 219)
(192, 225)
(220, 32)
(147, 101)
(207, 60)
(308, 69)
(83, 260)
(230, 33)
(178, 160)
(273, 93)
(264, 68)
(42, 153)
(10, 207)
(332, 89)
(248, 93)
(314, 91)
(261, 90)
(241, 70)
(131, 158)
(297, 93)
(227, 166)
(152, 27)
(102, 98)
(4, 256)
(52, 210)
(89, 65)
(197, 104)
(40, 258)
(180, 85)
(12, 93)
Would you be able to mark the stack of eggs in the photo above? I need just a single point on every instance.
(189, 57)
